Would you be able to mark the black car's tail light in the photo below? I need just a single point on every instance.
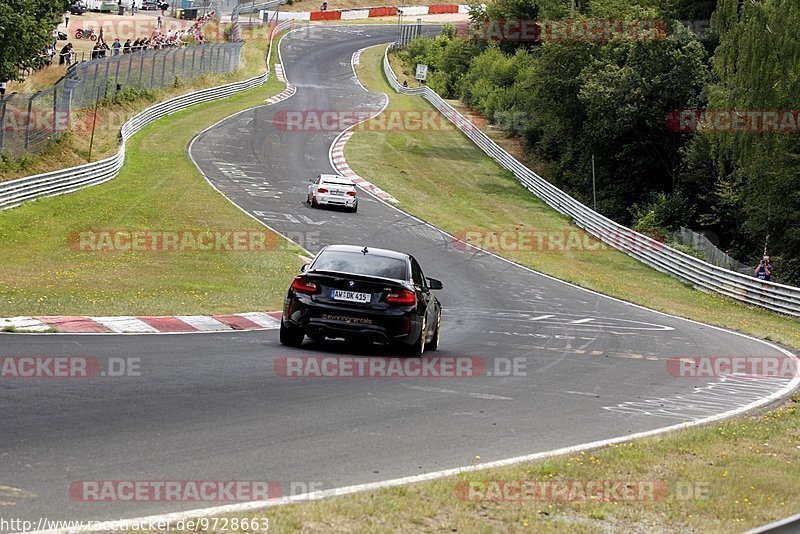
(301, 285)
(403, 297)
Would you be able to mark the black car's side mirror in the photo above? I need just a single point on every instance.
(304, 268)
(433, 283)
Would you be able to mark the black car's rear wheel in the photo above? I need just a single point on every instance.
(434, 344)
(291, 337)
(418, 348)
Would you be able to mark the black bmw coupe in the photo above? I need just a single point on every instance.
(360, 293)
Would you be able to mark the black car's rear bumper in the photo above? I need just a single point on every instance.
(396, 325)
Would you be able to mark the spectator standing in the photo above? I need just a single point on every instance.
(126, 48)
(2, 89)
(96, 51)
(764, 269)
(64, 54)
(159, 20)
(116, 45)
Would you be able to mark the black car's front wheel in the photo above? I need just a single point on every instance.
(291, 337)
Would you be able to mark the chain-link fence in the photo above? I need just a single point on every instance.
(29, 121)
(712, 254)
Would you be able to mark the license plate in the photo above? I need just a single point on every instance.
(339, 193)
(350, 296)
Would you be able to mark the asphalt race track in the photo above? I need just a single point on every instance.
(211, 407)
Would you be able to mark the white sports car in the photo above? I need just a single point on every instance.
(332, 190)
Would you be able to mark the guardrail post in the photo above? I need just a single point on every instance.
(129, 61)
(152, 71)
(78, 101)
(28, 120)
(184, 53)
(141, 71)
(94, 77)
(116, 79)
(105, 82)
(163, 67)
(55, 111)
(70, 82)
(3, 120)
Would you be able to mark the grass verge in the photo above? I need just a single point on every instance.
(158, 189)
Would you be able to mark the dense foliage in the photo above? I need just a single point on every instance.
(571, 98)
(26, 26)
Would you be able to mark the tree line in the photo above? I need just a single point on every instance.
(689, 108)
(26, 27)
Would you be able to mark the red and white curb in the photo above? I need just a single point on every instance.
(286, 93)
(340, 164)
(372, 12)
(143, 324)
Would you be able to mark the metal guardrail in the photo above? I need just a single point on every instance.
(787, 526)
(15, 192)
(704, 276)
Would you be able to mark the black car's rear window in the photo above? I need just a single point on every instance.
(358, 263)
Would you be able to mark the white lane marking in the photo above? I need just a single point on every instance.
(703, 401)
(261, 319)
(430, 389)
(582, 393)
(204, 323)
(24, 324)
(560, 319)
(124, 324)
(488, 396)
(485, 396)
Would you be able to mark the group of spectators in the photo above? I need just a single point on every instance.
(157, 41)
